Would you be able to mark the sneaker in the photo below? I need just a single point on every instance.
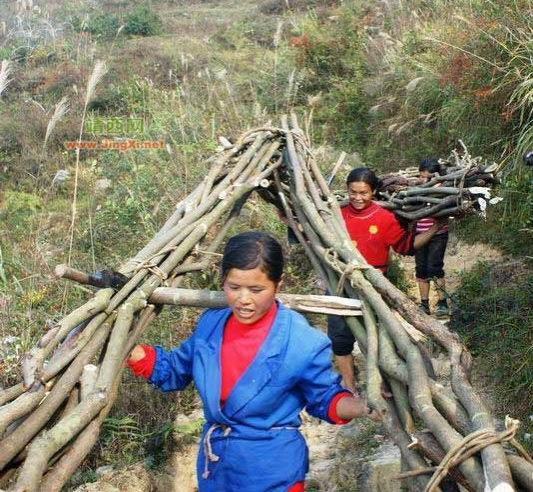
(442, 311)
(424, 306)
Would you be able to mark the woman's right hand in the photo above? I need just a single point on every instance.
(137, 354)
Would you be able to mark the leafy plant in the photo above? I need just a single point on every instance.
(105, 25)
(143, 21)
(18, 207)
(124, 436)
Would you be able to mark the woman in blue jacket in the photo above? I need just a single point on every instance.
(256, 366)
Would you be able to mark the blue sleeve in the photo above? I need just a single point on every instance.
(173, 370)
(320, 383)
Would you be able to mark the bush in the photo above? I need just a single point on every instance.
(18, 205)
(103, 26)
(277, 7)
(143, 21)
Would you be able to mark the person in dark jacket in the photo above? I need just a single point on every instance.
(429, 258)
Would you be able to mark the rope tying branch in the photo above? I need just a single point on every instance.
(469, 446)
(151, 266)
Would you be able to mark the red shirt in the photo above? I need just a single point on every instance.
(374, 231)
(240, 344)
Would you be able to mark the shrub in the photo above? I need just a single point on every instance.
(277, 7)
(143, 21)
(103, 26)
(20, 204)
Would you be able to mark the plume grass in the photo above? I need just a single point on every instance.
(60, 110)
(98, 73)
(5, 72)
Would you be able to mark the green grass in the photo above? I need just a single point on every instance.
(492, 313)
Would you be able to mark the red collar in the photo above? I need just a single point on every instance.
(354, 212)
(265, 320)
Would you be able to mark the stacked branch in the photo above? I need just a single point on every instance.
(464, 188)
(449, 413)
(50, 421)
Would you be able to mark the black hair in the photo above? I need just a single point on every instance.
(431, 165)
(363, 175)
(253, 249)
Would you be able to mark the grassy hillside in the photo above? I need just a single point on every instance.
(386, 82)
(399, 81)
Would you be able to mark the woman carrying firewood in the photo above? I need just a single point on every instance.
(430, 257)
(256, 365)
(374, 231)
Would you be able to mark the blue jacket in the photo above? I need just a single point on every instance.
(253, 443)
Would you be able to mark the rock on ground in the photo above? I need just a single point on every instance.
(131, 479)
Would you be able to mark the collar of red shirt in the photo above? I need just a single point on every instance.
(363, 212)
(266, 319)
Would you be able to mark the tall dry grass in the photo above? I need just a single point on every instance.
(5, 72)
(97, 75)
(60, 111)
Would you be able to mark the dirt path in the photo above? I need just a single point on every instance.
(460, 257)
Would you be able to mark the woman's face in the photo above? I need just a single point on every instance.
(250, 294)
(360, 194)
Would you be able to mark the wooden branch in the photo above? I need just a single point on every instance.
(32, 363)
(20, 407)
(415, 473)
(102, 279)
(63, 470)
(522, 471)
(113, 358)
(88, 380)
(495, 464)
(378, 403)
(336, 168)
(340, 306)
(15, 442)
(71, 402)
(49, 442)
(432, 450)
(64, 271)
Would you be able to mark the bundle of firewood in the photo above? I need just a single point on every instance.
(464, 187)
(50, 420)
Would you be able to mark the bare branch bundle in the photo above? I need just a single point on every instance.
(465, 187)
(71, 377)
